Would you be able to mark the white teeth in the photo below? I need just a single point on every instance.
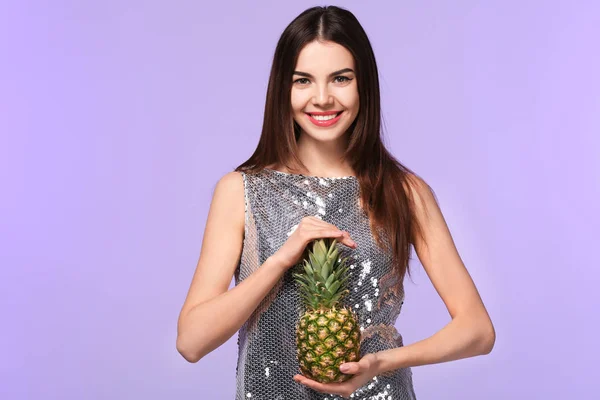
(324, 117)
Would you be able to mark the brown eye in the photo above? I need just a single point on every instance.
(302, 81)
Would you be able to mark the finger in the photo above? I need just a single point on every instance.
(314, 222)
(347, 240)
(332, 388)
(327, 233)
(309, 224)
(344, 389)
(320, 223)
(342, 236)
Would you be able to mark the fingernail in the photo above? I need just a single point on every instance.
(344, 368)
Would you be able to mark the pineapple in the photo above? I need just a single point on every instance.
(327, 335)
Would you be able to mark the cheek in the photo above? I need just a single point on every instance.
(298, 101)
(349, 100)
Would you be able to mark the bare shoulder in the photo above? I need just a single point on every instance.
(421, 194)
(232, 182)
(228, 198)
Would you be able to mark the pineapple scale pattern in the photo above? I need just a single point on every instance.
(275, 203)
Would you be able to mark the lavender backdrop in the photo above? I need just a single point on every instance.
(118, 117)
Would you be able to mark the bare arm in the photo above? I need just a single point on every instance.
(470, 332)
(211, 314)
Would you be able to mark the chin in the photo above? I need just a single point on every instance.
(325, 136)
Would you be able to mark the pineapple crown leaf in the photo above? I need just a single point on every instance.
(323, 246)
(329, 281)
(322, 275)
(311, 259)
(308, 269)
(334, 287)
(307, 287)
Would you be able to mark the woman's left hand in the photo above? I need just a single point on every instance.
(364, 371)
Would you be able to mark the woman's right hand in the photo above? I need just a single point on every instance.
(309, 229)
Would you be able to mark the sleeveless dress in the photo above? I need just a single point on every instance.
(275, 202)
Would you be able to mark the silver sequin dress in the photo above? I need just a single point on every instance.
(275, 203)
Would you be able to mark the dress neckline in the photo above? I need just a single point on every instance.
(348, 177)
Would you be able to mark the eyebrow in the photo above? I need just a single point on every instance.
(341, 71)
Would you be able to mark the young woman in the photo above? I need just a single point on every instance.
(321, 171)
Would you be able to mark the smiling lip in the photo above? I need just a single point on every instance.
(323, 112)
(327, 123)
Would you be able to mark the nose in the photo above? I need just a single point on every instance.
(322, 97)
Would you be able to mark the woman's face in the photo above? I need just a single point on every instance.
(324, 91)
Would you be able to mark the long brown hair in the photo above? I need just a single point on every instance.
(383, 180)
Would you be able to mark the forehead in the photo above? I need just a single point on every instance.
(324, 57)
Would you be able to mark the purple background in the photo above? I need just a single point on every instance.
(118, 117)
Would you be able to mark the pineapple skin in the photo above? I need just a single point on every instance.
(325, 339)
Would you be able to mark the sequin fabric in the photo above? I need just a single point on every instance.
(275, 202)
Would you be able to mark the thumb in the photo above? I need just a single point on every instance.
(350, 368)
